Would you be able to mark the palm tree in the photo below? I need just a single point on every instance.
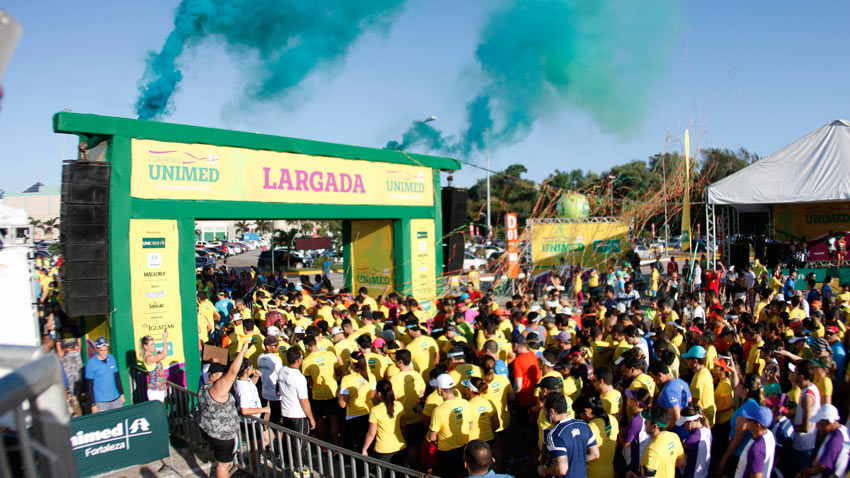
(198, 234)
(242, 227)
(284, 239)
(36, 225)
(49, 226)
(263, 225)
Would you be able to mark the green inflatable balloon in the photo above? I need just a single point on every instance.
(573, 205)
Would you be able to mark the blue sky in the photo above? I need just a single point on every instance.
(752, 74)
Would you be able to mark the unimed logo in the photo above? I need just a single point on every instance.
(153, 242)
(110, 439)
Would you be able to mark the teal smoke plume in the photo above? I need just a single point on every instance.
(291, 38)
(537, 56)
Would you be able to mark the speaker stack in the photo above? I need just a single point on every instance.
(84, 234)
(454, 219)
(739, 255)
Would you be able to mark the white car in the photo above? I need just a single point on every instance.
(470, 260)
(201, 244)
(644, 252)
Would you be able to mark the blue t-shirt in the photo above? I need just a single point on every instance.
(789, 288)
(571, 437)
(102, 374)
(839, 355)
(224, 306)
(750, 404)
(675, 392)
(502, 368)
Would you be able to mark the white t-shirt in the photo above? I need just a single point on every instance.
(698, 313)
(270, 366)
(751, 280)
(246, 394)
(804, 441)
(293, 387)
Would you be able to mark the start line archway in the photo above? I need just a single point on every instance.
(165, 176)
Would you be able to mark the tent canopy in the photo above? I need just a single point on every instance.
(815, 168)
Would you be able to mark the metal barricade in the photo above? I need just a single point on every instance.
(270, 450)
(34, 411)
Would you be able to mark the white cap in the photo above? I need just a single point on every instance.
(336, 330)
(826, 412)
(534, 307)
(235, 316)
(299, 330)
(273, 331)
(543, 359)
(469, 385)
(443, 381)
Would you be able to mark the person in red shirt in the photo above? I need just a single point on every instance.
(526, 374)
(712, 279)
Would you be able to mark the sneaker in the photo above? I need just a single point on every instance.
(305, 473)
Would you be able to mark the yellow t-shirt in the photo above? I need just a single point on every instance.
(661, 455)
(702, 391)
(432, 401)
(389, 438)
(824, 386)
(206, 318)
(325, 344)
(359, 391)
(593, 281)
(344, 348)
(452, 420)
(723, 398)
(653, 280)
(553, 373)
(572, 387)
(644, 381)
(710, 357)
(606, 439)
(622, 346)
(497, 392)
(423, 351)
(755, 363)
(464, 372)
(482, 410)
(371, 303)
(612, 401)
(378, 364)
(407, 387)
(319, 366)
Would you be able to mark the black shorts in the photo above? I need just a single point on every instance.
(223, 450)
(325, 408)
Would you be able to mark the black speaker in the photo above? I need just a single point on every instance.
(759, 248)
(84, 233)
(454, 209)
(454, 222)
(453, 253)
(772, 255)
(739, 255)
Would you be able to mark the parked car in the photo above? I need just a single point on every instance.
(470, 260)
(203, 261)
(201, 243)
(226, 250)
(675, 242)
(644, 252)
(281, 259)
(201, 252)
(305, 257)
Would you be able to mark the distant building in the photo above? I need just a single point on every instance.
(41, 203)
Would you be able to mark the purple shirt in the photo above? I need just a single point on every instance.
(834, 452)
(757, 457)
(697, 453)
(633, 438)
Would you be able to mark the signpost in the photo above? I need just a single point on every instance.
(116, 439)
(511, 238)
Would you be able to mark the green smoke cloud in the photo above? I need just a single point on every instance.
(291, 37)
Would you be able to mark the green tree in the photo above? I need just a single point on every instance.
(49, 225)
(284, 239)
(242, 227)
(575, 180)
(263, 225)
(509, 192)
(36, 224)
(717, 163)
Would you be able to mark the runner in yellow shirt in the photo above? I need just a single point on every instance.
(702, 386)
(664, 452)
(486, 416)
(605, 429)
(356, 392)
(386, 425)
(451, 424)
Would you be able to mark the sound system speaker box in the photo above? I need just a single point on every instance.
(739, 255)
(759, 248)
(772, 255)
(454, 221)
(84, 233)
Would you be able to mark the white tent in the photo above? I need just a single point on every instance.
(815, 168)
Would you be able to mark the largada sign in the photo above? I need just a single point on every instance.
(120, 438)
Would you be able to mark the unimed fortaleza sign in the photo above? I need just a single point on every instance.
(120, 438)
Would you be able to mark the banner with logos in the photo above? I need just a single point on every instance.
(793, 222)
(511, 240)
(423, 257)
(585, 244)
(155, 289)
(163, 170)
(372, 256)
(119, 438)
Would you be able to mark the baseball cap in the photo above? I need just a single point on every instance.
(272, 331)
(379, 342)
(500, 312)
(298, 330)
(697, 352)
(647, 415)
(270, 340)
(101, 342)
(821, 363)
(464, 296)
(388, 335)
(777, 401)
(723, 363)
(564, 336)
(543, 359)
(832, 329)
(550, 383)
(827, 413)
(696, 329)
(443, 381)
(762, 415)
(234, 316)
(336, 330)
(796, 339)
(630, 393)
(677, 325)
(520, 339)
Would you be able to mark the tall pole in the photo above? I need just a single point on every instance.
(664, 188)
(489, 230)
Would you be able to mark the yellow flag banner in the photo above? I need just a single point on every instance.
(423, 257)
(686, 207)
(221, 173)
(155, 289)
(585, 244)
(372, 255)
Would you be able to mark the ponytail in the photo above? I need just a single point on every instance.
(480, 384)
(385, 390)
(752, 383)
(360, 365)
(488, 368)
(594, 403)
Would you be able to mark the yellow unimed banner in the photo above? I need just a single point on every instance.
(423, 285)
(372, 255)
(793, 222)
(155, 287)
(588, 244)
(219, 173)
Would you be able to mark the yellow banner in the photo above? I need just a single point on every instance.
(422, 262)
(372, 255)
(588, 245)
(155, 286)
(793, 222)
(219, 173)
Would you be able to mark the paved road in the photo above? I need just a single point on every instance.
(248, 259)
